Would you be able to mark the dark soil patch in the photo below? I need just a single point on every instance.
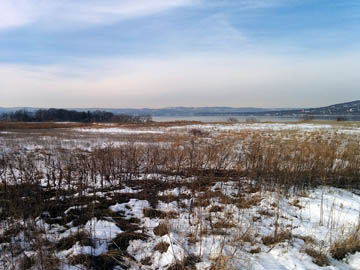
(153, 213)
(121, 242)
(161, 230)
(187, 264)
(68, 242)
(102, 262)
(161, 247)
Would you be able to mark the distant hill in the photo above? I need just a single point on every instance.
(186, 111)
(14, 109)
(342, 109)
(348, 108)
(170, 111)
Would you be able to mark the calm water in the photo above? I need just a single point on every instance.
(224, 118)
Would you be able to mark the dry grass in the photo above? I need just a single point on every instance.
(122, 240)
(102, 262)
(223, 224)
(27, 262)
(83, 238)
(318, 257)
(278, 238)
(216, 208)
(301, 161)
(41, 125)
(153, 213)
(255, 250)
(146, 261)
(307, 239)
(188, 263)
(221, 263)
(346, 245)
(162, 247)
(161, 230)
(265, 213)
(296, 203)
(290, 160)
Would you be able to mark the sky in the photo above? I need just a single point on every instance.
(165, 53)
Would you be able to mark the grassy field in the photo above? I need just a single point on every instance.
(180, 195)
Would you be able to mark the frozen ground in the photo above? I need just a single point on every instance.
(224, 226)
(220, 234)
(119, 130)
(349, 129)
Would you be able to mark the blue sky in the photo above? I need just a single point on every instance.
(158, 53)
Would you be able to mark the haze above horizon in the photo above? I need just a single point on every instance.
(166, 53)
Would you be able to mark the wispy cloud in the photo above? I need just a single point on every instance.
(57, 14)
(250, 4)
(214, 32)
(15, 13)
(86, 13)
(196, 52)
(192, 80)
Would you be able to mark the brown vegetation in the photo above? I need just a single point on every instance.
(47, 182)
(278, 238)
(319, 257)
(349, 244)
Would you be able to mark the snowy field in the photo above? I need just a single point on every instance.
(213, 127)
(198, 196)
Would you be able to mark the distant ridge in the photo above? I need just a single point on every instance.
(169, 111)
(347, 108)
(351, 108)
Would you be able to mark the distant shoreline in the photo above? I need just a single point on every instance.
(253, 118)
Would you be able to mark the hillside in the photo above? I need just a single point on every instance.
(349, 109)
(342, 109)
(168, 111)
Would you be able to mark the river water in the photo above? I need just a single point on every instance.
(225, 118)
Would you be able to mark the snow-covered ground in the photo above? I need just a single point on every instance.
(227, 127)
(340, 216)
(223, 234)
(119, 130)
(225, 226)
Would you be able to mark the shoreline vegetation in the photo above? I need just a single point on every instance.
(62, 115)
(348, 111)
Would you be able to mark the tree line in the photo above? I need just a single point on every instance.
(62, 115)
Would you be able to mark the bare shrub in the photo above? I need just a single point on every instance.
(81, 237)
(280, 237)
(153, 213)
(161, 230)
(161, 247)
(198, 132)
(319, 257)
(346, 245)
